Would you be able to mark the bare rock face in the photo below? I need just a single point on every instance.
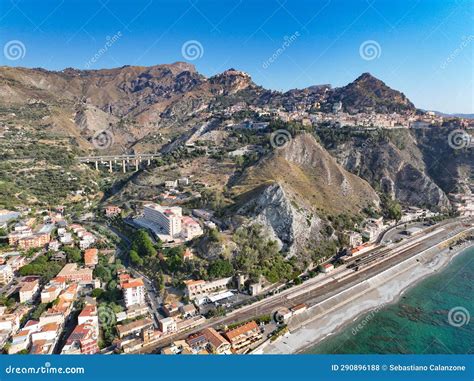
(416, 188)
(402, 175)
(292, 228)
(230, 82)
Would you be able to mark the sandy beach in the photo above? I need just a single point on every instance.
(331, 315)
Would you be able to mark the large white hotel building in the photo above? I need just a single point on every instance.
(167, 218)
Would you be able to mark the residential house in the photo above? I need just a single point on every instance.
(82, 340)
(243, 335)
(91, 257)
(216, 342)
(54, 245)
(328, 267)
(134, 327)
(188, 255)
(168, 325)
(28, 290)
(6, 274)
(71, 272)
(133, 291)
(52, 290)
(112, 211)
(190, 228)
(33, 241)
(171, 309)
(22, 340)
(187, 311)
(16, 261)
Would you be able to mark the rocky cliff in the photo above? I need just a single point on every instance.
(295, 229)
(393, 163)
(292, 190)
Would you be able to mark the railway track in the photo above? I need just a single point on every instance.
(373, 262)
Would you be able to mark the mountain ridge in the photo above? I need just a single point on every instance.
(163, 108)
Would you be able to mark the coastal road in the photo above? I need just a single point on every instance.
(324, 286)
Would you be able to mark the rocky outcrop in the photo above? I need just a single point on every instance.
(293, 228)
(401, 173)
(291, 188)
(230, 82)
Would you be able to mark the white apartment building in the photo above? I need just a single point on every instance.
(355, 239)
(168, 325)
(28, 291)
(6, 274)
(370, 232)
(167, 218)
(133, 292)
(190, 228)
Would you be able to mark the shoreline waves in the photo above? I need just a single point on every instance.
(329, 318)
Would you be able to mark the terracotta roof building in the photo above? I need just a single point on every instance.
(217, 343)
(71, 272)
(83, 340)
(134, 327)
(91, 257)
(133, 291)
(243, 335)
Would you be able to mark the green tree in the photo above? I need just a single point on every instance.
(103, 273)
(112, 285)
(41, 266)
(220, 269)
(257, 255)
(214, 235)
(391, 208)
(143, 244)
(97, 293)
(73, 254)
(135, 258)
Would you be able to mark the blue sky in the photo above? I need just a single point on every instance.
(421, 47)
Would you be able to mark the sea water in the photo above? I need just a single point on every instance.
(435, 316)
